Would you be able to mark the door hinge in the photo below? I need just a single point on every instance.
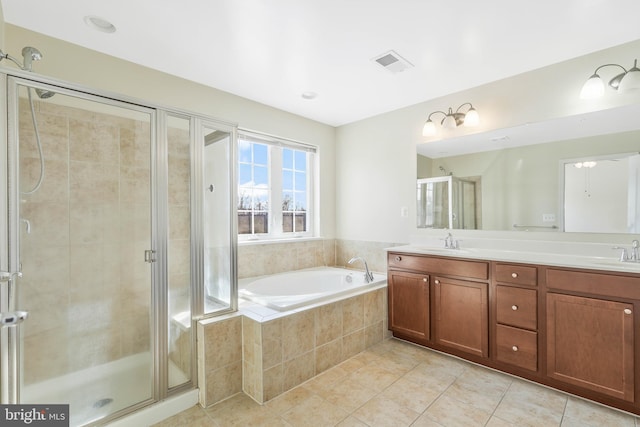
(149, 256)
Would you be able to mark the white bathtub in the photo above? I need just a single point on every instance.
(286, 291)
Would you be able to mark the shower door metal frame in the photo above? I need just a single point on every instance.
(10, 222)
(12, 82)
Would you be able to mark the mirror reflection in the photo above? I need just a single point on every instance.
(577, 174)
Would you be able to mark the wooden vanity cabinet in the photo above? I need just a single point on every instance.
(462, 315)
(516, 315)
(409, 305)
(569, 328)
(590, 338)
(440, 302)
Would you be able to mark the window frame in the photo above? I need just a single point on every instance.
(275, 186)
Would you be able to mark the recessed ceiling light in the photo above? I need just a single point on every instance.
(99, 24)
(309, 95)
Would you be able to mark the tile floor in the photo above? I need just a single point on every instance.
(399, 384)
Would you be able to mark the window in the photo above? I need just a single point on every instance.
(275, 188)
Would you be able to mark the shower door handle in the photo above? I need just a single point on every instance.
(149, 256)
(7, 276)
(13, 318)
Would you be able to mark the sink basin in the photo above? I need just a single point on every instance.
(631, 266)
(445, 251)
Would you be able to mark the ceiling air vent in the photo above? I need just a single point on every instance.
(393, 62)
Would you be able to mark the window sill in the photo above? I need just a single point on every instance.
(278, 240)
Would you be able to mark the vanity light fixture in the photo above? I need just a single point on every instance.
(623, 82)
(452, 119)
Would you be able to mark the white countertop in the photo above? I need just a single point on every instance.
(551, 255)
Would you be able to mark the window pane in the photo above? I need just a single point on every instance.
(244, 174)
(261, 222)
(287, 158)
(260, 154)
(287, 180)
(287, 201)
(301, 181)
(301, 222)
(261, 176)
(301, 160)
(244, 151)
(244, 199)
(261, 200)
(301, 201)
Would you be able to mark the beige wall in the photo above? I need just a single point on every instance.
(1, 28)
(376, 157)
(85, 67)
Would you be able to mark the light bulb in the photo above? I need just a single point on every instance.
(429, 128)
(449, 122)
(472, 118)
(593, 88)
(631, 80)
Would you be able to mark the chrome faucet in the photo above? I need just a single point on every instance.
(450, 242)
(368, 276)
(630, 256)
(634, 251)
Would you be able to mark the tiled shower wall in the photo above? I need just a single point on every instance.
(85, 283)
(89, 222)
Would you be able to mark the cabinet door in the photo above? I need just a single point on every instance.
(590, 344)
(462, 317)
(409, 304)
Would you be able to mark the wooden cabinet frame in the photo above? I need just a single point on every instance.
(554, 349)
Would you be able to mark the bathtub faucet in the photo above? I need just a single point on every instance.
(368, 276)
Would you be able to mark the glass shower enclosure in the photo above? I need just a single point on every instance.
(102, 274)
(446, 202)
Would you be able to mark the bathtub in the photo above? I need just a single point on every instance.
(287, 291)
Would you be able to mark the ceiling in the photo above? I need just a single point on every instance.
(272, 51)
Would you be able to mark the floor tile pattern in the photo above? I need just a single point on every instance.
(397, 384)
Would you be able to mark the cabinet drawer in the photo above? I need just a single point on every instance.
(517, 307)
(608, 285)
(437, 265)
(517, 274)
(517, 347)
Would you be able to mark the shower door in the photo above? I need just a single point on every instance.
(80, 234)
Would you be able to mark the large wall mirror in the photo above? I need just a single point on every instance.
(575, 174)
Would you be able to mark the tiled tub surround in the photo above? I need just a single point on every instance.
(259, 259)
(283, 352)
(265, 353)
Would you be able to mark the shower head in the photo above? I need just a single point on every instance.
(30, 54)
(44, 94)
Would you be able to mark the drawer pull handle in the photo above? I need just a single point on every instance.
(398, 258)
(514, 307)
(437, 282)
(424, 279)
(627, 311)
(514, 275)
(514, 348)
